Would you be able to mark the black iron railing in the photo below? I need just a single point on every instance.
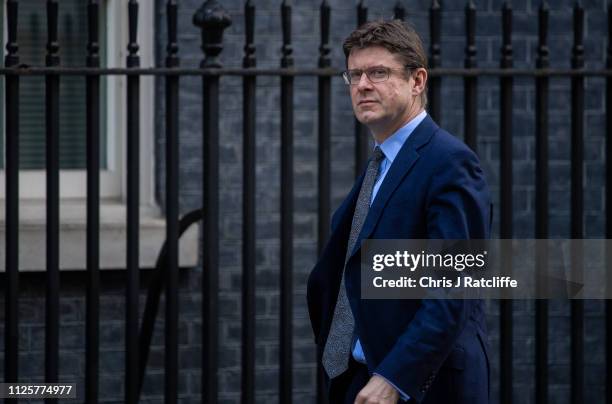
(212, 19)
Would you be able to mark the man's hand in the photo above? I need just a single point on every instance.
(377, 391)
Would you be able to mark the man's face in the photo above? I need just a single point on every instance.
(386, 105)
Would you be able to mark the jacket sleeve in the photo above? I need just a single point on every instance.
(457, 207)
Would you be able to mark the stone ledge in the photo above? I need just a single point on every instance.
(32, 236)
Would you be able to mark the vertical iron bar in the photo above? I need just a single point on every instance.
(541, 230)
(435, 25)
(11, 103)
(609, 212)
(92, 83)
(133, 202)
(210, 88)
(248, 211)
(577, 206)
(212, 19)
(362, 134)
(286, 335)
(399, 11)
(52, 161)
(506, 231)
(172, 209)
(325, 149)
(469, 83)
(324, 129)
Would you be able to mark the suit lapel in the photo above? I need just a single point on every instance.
(403, 163)
(347, 208)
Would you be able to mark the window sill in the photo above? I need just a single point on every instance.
(73, 226)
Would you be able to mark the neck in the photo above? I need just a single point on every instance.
(382, 134)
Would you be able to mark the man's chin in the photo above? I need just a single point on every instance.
(368, 118)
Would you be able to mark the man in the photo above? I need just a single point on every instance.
(422, 183)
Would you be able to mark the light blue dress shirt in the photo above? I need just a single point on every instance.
(390, 147)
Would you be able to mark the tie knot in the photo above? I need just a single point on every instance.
(378, 154)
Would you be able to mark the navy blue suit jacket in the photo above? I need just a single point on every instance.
(433, 350)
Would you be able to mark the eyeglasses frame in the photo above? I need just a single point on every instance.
(347, 80)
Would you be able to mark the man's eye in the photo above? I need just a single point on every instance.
(378, 73)
(356, 75)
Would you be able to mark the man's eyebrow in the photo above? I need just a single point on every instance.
(369, 67)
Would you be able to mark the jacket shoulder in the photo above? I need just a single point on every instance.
(444, 144)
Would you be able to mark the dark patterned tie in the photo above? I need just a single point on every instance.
(338, 346)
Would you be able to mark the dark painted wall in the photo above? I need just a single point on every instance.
(306, 39)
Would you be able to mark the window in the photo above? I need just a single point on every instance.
(32, 38)
(72, 32)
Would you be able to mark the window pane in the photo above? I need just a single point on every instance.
(32, 38)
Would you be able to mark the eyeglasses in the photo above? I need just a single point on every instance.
(376, 74)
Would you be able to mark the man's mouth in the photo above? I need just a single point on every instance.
(366, 102)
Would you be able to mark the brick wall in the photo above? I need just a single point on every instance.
(306, 39)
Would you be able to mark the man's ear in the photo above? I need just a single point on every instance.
(420, 80)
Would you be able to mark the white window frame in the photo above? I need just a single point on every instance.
(32, 236)
(112, 178)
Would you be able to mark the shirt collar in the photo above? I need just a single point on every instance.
(392, 145)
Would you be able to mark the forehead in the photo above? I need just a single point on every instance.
(371, 56)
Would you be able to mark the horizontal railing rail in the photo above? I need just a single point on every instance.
(329, 71)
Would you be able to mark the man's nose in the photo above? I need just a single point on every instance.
(364, 82)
